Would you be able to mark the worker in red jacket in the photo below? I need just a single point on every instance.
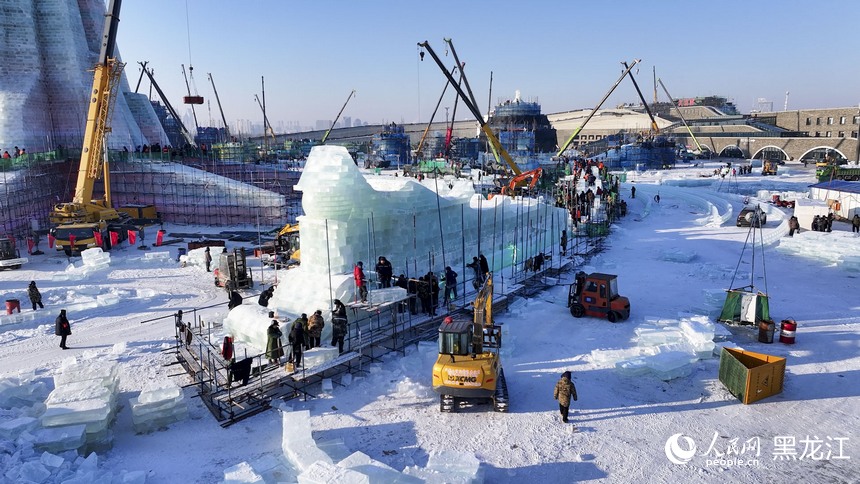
(360, 281)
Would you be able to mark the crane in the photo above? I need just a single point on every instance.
(328, 132)
(654, 128)
(672, 100)
(469, 101)
(189, 99)
(265, 119)
(220, 109)
(185, 134)
(83, 222)
(576, 132)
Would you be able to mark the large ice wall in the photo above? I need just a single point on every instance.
(49, 48)
(350, 218)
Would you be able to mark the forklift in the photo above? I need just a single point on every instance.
(10, 258)
(232, 271)
(596, 295)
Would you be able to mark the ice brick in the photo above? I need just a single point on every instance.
(241, 473)
(327, 473)
(159, 392)
(50, 460)
(463, 464)
(317, 356)
(11, 429)
(60, 439)
(33, 471)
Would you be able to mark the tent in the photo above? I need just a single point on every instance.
(744, 305)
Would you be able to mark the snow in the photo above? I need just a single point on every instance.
(674, 259)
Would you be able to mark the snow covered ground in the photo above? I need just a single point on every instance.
(672, 258)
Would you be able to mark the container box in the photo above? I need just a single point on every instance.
(751, 376)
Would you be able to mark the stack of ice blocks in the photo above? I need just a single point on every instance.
(157, 406)
(84, 394)
(449, 466)
(95, 259)
(665, 348)
(16, 318)
(298, 444)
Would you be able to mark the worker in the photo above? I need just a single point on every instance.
(274, 347)
(6, 155)
(35, 295)
(235, 300)
(338, 325)
(297, 339)
(265, 296)
(855, 224)
(207, 257)
(475, 265)
(450, 280)
(633, 192)
(485, 267)
(793, 226)
(563, 242)
(564, 391)
(316, 323)
(62, 328)
(384, 271)
(360, 280)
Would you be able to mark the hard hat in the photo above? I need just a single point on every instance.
(448, 320)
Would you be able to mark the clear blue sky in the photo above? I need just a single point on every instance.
(565, 54)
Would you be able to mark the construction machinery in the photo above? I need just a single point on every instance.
(596, 295)
(81, 223)
(469, 367)
(10, 257)
(499, 151)
(232, 271)
(769, 167)
(517, 184)
(287, 248)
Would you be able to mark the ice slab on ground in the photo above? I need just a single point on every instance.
(159, 392)
(103, 371)
(33, 471)
(94, 413)
(298, 443)
(455, 464)
(17, 318)
(242, 473)
(317, 356)
(60, 439)
(11, 429)
(21, 392)
(321, 472)
(147, 417)
(50, 460)
(677, 255)
(107, 299)
(334, 448)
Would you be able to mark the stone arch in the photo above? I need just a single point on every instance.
(781, 155)
(731, 151)
(817, 153)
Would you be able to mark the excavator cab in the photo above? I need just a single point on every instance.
(597, 295)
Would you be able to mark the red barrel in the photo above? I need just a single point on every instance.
(12, 304)
(786, 331)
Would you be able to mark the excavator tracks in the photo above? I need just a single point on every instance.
(500, 398)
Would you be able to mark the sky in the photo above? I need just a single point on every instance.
(563, 54)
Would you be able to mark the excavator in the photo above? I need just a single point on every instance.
(517, 184)
(85, 222)
(469, 367)
(287, 248)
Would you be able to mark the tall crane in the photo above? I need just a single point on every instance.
(265, 119)
(469, 101)
(185, 134)
(672, 100)
(191, 100)
(325, 136)
(106, 83)
(220, 109)
(654, 128)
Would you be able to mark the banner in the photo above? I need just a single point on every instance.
(114, 238)
(159, 237)
(50, 241)
(30, 245)
(98, 236)
(132, 237)
(72, 242)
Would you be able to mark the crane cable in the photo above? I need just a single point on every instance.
(188, 35)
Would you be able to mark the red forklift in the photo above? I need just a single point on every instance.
(597, 295)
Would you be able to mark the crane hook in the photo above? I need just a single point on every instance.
(421, 54)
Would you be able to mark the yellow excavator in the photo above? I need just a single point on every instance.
(84, 222)
(287, 248)
(469, 367)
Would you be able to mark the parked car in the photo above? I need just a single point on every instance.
(752, 217)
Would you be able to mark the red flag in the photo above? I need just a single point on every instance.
(72, 242)
(132, 237)
(114, 238)
(98, 237)
(50, 241)
(30, 245)
(159, 237)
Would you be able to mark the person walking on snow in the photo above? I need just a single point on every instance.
(564, 391)
(207, 256)
(855, 224)
(34, 295)
(360, 281)
(62, 329)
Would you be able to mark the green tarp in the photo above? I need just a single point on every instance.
(745, 307)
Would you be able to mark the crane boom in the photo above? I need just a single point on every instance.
(328, 132)
(188, 138)
(266, 119)
(654, 127)
(594, 111)
(494, 142)
(220, 109)
(672, 100)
